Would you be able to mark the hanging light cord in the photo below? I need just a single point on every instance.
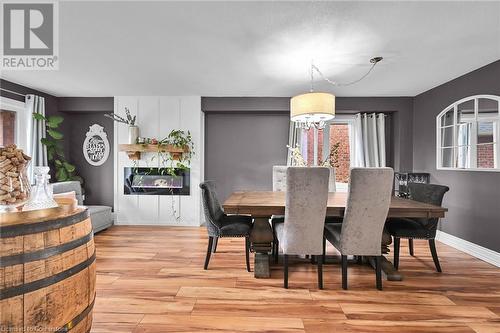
(373, 61)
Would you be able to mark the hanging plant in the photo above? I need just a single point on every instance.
(65, 171)
(171, 164)
(183, 140)
(178, 139)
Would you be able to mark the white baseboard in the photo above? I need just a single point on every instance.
(155, 223)
(474, 250)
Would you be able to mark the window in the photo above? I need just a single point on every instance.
(13, 122)
(467, 134)
(338, 132)
(7, 127)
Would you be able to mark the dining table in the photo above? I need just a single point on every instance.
(261, 205)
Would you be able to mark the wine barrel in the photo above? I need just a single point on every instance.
(47, 273)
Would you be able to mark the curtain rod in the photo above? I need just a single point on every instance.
(12, 92)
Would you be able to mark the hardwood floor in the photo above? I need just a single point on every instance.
(151, 279)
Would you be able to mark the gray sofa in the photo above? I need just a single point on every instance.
(101, 216)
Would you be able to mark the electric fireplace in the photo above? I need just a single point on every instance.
(156, 181)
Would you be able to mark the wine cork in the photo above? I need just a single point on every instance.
(12, 164)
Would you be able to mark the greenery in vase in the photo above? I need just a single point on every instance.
(296, 156)
(331, 161)
(128, 121)
(333, 158)
(65, 171)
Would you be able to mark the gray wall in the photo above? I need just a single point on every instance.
(80, 113)
(246, 136)
(474, 198)
(241, 148)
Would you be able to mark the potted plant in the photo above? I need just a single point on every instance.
(133, 129)
(64, 170)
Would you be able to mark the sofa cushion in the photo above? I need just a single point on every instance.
(101, 217)
(65, 195)
(63, 187)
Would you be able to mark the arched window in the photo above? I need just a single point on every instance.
(468, 134)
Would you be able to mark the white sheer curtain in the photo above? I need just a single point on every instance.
(36, 131)
(369, 140)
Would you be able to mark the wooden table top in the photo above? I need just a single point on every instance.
(267, 203)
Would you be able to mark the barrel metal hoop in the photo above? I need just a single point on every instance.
(39, 284)
(75, 321)
(45, 253)
(38, 227)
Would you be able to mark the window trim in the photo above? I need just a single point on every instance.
(19, 108)
(473, 144)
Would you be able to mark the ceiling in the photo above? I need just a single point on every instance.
(264, 48)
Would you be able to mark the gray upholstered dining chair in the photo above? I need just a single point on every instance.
(305, 211)
(418, 228)
(279, 178)
(220, 224)
(360, 233)
(279, 184)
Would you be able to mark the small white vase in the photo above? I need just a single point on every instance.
(133, 134)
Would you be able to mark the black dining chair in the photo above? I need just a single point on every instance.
(418, 228)
(221, 225)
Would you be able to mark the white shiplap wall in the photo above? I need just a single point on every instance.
(156, 117)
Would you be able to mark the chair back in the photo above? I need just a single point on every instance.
(211, 207)
(366, 210)
(305, 210)
(332, 186)
(279, 179)
(428, 193)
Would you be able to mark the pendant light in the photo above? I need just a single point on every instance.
(316, 108)
(312, 108)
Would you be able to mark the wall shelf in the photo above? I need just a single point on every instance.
(134, 150)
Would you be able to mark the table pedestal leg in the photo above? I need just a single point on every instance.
(261, 239)
(388, 269)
